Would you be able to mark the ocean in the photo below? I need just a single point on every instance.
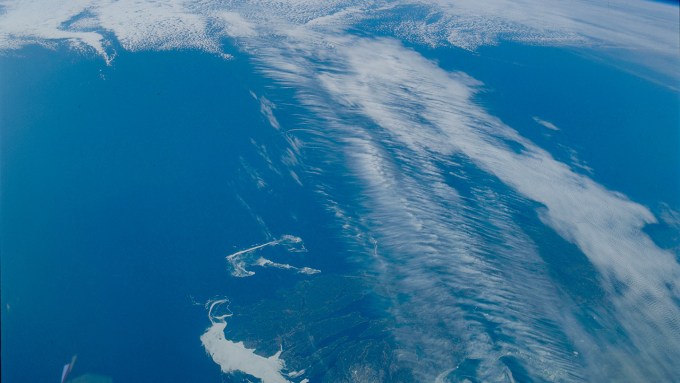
(126, 186)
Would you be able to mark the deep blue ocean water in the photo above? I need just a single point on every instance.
(124, 187)
(119, 205)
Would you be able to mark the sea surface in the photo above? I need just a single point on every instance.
(398, 249)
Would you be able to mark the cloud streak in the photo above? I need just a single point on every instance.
(546, 124)
(243, 259)
(469, 289)
(414, 115)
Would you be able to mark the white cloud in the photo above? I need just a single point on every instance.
(418, 115)
(546, 124)
(240, 260)
(409, 119)
(644, 32)
(154, 25)
(641, 32)
(267, 109)
(235, 25)
(234, 356)
(40, 22)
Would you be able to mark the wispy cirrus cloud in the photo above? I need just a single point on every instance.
(407, 115)
(467, 284)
